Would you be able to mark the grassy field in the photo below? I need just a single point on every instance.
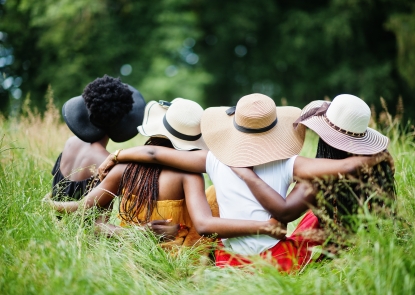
(40, 255)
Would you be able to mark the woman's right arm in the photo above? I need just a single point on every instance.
(206, 224)
(192, 161)
(101, 196)
(311, 168)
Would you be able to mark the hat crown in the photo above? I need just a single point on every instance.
(184, 116)
(255, 111)
(349, 112)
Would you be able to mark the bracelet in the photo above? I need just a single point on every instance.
(116, 153)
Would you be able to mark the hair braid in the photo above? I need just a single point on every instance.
(139, 187)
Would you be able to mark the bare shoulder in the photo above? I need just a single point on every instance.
(73, 144)
(180, 176)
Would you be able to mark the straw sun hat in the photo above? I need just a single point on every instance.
(179, 121)
(252, 133)
(77, 118)
(343, 124)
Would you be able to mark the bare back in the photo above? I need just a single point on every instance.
(171, 184)
(80, 159)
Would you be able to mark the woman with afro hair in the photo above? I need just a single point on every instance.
(107, 109)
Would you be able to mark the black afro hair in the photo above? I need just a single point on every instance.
(108, 99)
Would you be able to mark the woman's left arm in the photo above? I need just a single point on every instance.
(206, 224)
(285, 210)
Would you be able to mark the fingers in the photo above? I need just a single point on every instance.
(105, 167)
(160, 222)
(166, 231)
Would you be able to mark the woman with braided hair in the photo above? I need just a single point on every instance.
(169, 201)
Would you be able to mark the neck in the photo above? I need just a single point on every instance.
(103, 141)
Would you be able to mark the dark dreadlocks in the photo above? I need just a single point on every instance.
(370, 189)
(139, 187)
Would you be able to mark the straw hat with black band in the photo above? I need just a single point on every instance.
(254, 132)
(343, 124)
(80, 122)
(179, 121)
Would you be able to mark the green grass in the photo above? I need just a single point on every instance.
(41, 255)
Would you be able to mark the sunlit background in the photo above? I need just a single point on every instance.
(213, 51)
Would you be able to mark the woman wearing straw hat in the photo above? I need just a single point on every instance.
(106, 110)
(343, 129)
(164, 197)
(254, 133)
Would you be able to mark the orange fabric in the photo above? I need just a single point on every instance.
(289, 254)
(177, 211)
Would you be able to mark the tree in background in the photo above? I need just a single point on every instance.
(213, 51)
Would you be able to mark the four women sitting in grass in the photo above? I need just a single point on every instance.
(252, 160)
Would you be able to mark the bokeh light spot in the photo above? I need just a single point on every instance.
(192, 58)
(17, 93)
(189, 42)
(7, 83)
(171, 71)
(126, 70)
(241, 50)
(17, 82)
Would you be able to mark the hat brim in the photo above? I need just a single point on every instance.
(76, 117)
(239, 149)
(75, 114)
(153, 126)
(371, 143)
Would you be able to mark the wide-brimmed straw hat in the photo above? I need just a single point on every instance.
(77, 117)
(179, 121)
(343, 124)
(252, 133)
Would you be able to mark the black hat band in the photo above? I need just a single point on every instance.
(178, 134)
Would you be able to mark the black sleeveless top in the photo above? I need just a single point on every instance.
(63, 188)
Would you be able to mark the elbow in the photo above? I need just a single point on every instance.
(202, 228)
(280, 215)
(286, 218)
(150, 153)
(349, 168)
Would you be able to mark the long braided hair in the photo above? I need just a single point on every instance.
(139, 187)
(340, 200)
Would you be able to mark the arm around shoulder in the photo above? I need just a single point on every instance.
(310, 168)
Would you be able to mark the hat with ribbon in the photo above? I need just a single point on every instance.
(343, 124)
(179, 121)
(82, 123)
(254, 132)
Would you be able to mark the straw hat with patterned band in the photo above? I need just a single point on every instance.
(82, 124)
(252, 133)
(179, 121)
(343, 124)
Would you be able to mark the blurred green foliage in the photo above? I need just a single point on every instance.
(213, 51)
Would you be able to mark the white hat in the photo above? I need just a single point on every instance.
(343, 124)
(179, 121)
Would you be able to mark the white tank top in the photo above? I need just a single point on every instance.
(236, 201)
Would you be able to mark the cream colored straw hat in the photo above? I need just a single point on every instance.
(252, 133)
(343, 124)
(179, 121)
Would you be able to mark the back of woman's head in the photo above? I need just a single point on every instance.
(107, 99)
(139, 187)
(341, 199)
